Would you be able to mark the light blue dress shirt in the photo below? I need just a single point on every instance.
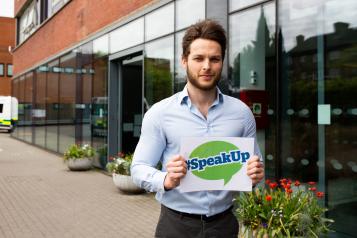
(164, 125)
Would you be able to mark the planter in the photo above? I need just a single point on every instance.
(79, 164)
(125, 184)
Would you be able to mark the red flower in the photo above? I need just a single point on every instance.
(111, 158)
(311, 183)
(313, 189)
(320, 194)
(287, 186)
(267, 181)
(273, 185)
(289, 191)
(268, 198)
(283, 181)
(121, 155)
(297, 183)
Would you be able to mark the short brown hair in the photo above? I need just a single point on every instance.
(206, 29)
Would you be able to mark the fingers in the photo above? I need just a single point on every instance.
(255, 169)
(176, 169)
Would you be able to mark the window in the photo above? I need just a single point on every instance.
(9, 70)
(1, 107)
(28, 21)
(1, 69)
(55, 5)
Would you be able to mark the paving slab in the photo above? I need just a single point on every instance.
(40, 197)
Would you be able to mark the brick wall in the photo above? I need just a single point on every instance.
(73, 23)
(7, 38)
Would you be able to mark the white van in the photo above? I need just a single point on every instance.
(8, 112)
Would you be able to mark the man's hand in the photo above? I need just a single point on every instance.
(255, 169)
(176, 169)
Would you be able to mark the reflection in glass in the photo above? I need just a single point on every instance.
(99, 109)
(180, 73)
(52, 107)
(127, 36)
(84, 94)
(101, 46)
(252, 71)
(39, 111)
(159, 22)
(238, 4)
(28, 107)
(67, 96)
(21, 112)
(319, 45)
(159, 62)
(15, 93)
(189, 12)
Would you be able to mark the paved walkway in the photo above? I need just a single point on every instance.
(39, 197)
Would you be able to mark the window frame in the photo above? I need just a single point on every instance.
(7, 70)
(2, 72)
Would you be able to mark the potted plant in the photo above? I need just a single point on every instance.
(284, 209)
(79, 157)
(119, 166)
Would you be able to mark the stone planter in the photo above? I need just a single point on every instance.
(79, 164)
(125, 184)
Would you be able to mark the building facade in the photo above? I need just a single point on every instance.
(87, 71)
(7, 42)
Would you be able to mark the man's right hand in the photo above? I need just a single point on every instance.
(176, 169)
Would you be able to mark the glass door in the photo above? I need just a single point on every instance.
(131, 102)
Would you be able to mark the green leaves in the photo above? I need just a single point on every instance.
(78, 152)
(285, 211)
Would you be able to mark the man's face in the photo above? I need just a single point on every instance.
(204, 64)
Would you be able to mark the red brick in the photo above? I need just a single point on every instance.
(75, 22)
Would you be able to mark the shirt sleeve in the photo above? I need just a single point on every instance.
(148, 153)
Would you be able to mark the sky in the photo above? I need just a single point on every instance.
(7, 8)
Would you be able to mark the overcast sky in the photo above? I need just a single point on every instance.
(7, 8)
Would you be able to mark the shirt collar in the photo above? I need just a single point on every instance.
(184, 98)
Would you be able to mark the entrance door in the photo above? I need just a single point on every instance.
(130, 102)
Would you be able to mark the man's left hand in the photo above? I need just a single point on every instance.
(255, 169)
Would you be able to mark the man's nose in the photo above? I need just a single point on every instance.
(206, 64)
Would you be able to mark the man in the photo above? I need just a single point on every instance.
(200, 110)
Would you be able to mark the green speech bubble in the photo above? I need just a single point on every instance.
(224, 171)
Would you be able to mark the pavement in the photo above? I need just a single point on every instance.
(40, 197)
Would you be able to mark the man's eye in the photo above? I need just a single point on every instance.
(216, 60)
(197, 59)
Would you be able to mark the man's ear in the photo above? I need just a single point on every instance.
(184, 61)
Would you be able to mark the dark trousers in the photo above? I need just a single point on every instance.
(174, 225)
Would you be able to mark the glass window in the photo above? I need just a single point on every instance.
(252, 72)
(159, 22)
(15, 93)
(28, 107)
(189, 12)
(52, 107)
(159, 64)
(39, 111)
(1, 69)
(127, 36)
(238, 4)
(180, 73)
(101, 46)
(321, 43)
(83, 105)
(67, 106)
(99, 113)
(28, 21)
(9, 70)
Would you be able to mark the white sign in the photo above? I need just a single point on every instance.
(216, 163)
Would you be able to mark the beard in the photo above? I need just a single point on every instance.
(194, 80)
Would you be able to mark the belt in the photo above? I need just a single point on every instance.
(199, 216)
